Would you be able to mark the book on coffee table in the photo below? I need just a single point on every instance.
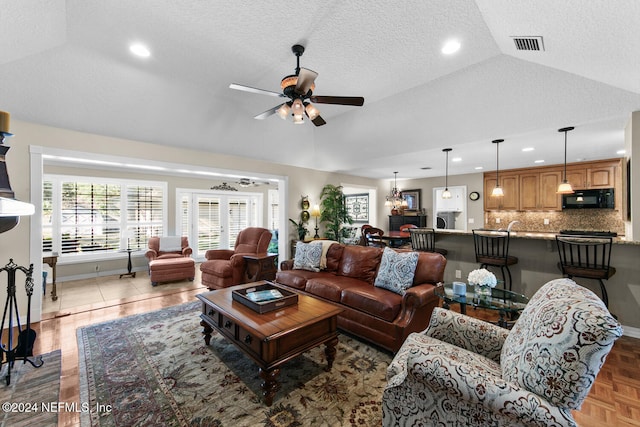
(266, 295)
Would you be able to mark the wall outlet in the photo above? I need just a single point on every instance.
(497, 220)
(546, 221)
(458, 274)
(97, 267)
(471, 220)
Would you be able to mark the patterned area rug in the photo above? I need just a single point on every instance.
(30, 388)
(154, 369)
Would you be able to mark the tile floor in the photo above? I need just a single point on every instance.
(102, 290)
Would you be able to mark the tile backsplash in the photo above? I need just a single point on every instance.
(579, 219)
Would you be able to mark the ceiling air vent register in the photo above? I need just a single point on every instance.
(528, 43)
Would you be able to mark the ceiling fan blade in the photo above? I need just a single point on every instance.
(255, 90)
(318, 121)
(305, 81)
(269, 112)
(356, 101)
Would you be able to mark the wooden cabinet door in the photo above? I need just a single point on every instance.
(549, 199)
(510, 187)
(490, 203)
(529, 191)
(577, 178)
(601, 177)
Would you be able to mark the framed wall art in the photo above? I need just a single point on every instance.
(358, 206)
(413, 199)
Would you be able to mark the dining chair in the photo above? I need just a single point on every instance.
(588, 257)
(373, 237)
(492, 249)
(363, 236)
(424, 239)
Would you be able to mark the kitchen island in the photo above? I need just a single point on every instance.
(538, 263)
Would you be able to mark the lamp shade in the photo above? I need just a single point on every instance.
(446, 194)
(565, 188)
(315, 211)
(497, 191)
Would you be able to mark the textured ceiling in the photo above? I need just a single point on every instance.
(67, 64)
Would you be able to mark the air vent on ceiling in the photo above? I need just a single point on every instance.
(528, 43)
(426, 168)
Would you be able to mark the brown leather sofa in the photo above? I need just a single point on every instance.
(375, 314)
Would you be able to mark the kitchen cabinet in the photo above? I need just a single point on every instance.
(538, 191)
(592, 175)
(509, 184)
(395, 221)
(454, 204)
(535, 188)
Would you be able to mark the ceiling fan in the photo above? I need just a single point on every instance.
(246, 182)
(299, 88)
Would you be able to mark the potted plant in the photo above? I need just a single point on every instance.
(334, 213)
(300, 229)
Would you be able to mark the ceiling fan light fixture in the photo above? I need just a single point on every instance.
(312, 111)
(297, 119)
(297, 108)
(283, 111)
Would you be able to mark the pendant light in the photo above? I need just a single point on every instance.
(446, 194)
(497, 191)
(565, 186)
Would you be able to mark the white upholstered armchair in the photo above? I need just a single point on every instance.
(464, 371)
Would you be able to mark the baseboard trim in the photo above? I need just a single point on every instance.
(630, 331)
(92, 275)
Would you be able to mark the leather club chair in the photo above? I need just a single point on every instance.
(171, 263)
(226, 267)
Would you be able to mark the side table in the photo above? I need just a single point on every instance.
(52, 260)
(260, 267)
(503, 301)
(129, 272)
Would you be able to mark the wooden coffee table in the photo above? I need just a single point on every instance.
(272, 338)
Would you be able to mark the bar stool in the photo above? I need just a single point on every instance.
(588, 257)
(424, 239)
(492, 249)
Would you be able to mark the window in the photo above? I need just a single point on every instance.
(273, 210)
(87, 215)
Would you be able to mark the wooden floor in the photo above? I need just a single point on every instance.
(614, 399)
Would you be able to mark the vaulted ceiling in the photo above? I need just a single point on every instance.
(67, 64)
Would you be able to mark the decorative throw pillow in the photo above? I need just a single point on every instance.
(308, 256)
(170, 244)
(396, 270)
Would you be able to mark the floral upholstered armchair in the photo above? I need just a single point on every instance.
(464, 371)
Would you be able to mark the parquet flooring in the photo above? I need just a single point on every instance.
(614, 400)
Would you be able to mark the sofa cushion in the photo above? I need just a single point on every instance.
(564, 333)
(217, 267)
(171, 244)
(396, 270)
(334, 255)
(360, 262)
(330, 286)
(308, 256)
(297, 279)
(377, 302)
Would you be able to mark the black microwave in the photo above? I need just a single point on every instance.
(589, 199)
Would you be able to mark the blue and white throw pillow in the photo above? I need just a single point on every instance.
(396, 271)
(308, 256)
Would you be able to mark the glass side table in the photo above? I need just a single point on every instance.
(506, 303)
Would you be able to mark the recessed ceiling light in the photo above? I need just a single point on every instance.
(452, 46)
(456, 159)
(621, 151)
(528, 149)
(538, 161)
(140, 50)
(478, 168)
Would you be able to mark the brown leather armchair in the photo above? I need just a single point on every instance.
(172, 262)
(226, 267)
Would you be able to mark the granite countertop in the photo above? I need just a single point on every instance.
(537, 235)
